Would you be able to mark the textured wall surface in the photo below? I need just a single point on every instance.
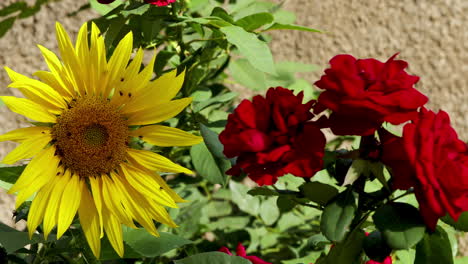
(431, 35)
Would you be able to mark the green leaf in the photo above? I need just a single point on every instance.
(211, 140)
(269, 211)
(217, 209)
(262, 191)
(401, 225)
(347, 251)
(221, 13)
(5, 25)
(246, 203)
(358, 167)
(256, 51)
(254, 21)
(434, 248)
(162, 59)
(244, 73)
(11, 174)
(103, 9)
(12, 239)
(150, 246)
(205, 164)
(277, 26)
(12, 8)
(461, 224)
(223, 98)
(115, 27)
(230, 223)
(285, 204)
(137, 9)
(211, 258)
(338, 215)
(318, 192)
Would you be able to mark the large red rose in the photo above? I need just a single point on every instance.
(364, 93)
(430, 158)
(241, 253)
(160, 2)
(273, 136)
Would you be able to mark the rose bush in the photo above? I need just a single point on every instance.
(430, 158)
(272, 136)
(364, 93)
(240, 252)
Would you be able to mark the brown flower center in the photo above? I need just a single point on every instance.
(91, 137)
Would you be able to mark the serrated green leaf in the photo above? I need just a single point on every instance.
(256, 51)
(254, 21)
(103, 9)
(461, 224)
(278, 26)
(318, 192)
(434, 248)
(247, 203)
(247, 75)
(150, 246)
(338, 215)
(11, 174)
(223, 98)
(401, 225)
(262, 191)
(269, 211)
(206, 165)
(212, 258)
(5, 25)
(211, 140)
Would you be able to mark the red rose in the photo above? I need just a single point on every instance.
(272, 136)
(241, 253)
(387, 260)
(430, 158)
(160, 2)
(364, 93)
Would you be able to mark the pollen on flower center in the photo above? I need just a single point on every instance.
(91, 137)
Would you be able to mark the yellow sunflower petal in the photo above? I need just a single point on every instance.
(21, 134)
(99, 73)
(89, 221)
(82, 50)
(97, 196)
(69, 204)
(122, 87)
(155, 162)
(166, 136)
(137, 209)
(146, 185)
(51, 212)
(113, 230)
(39, 171)
(37, 91)
(69, 58)
(28, 108)
(56, 82)
(27, 149)
(118, 62)
(160, 91)
(168, 189)
(157, 113)
(113, 203)
(38, 207)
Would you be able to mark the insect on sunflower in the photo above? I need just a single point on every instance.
(81, 158)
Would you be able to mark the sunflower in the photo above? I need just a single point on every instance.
(86, 110)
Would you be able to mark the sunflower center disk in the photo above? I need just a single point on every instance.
(91, 137)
